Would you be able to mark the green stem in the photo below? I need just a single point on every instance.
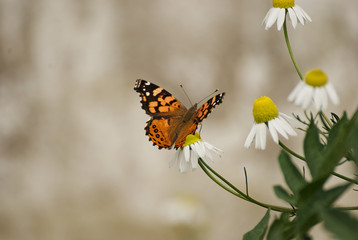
(218, 182)
(345, 178)
(205, 168)
(291, 151)
(303, 159)
(347, 208)
(236, 191)
(325, 118)
(290, 49)
(223, 179)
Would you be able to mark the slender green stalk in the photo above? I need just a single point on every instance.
(207, 169)
(303, 159)
(290, 49)
(237, 192)
(246, 183)
(218, 182)
(347, 208)
(291, 151)
(243, 195)
(325, 118)
(345, 178)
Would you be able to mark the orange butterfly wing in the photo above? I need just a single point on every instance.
(182, 135)
(170, 121)
(156, 101)
(165, 111)
(201, 113)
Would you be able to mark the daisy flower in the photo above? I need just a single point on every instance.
(266, 116)
(182, 209)
(187, 156)
(278, 13)
(314, 89)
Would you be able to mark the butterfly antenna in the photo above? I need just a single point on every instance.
(181, 85)
(216, 90)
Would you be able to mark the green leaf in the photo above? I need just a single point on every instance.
(308, 216)
(336, 129)
(353, 139)
(293, 177)
(284, 195)
(281, 229)
(354, 145)
(258, 232)
(336, 147)
(309, 190)
(328, 197)
(322, 160)
(312, 149)
(276, 231)
(343, 225)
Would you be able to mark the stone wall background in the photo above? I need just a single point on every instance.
(74, 161)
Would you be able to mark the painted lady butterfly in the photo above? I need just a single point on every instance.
(170, 121)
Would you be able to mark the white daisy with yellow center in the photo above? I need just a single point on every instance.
(278, 13)
(266, 116)
(314, 89)
(187, 156)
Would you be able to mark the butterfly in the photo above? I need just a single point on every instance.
(170, 121)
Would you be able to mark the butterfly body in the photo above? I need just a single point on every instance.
(170, 121)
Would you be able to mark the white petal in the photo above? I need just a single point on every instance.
(207, 149)
(186, 151)
(174, 158)
(279, 125)
(320, 98)
(298, 88)
(267, 15)
(250, 137)
(293, 17)
(287, 127)
(200, 149)
(263, 129)
(281, 18)
(299, 14)
(301, 95)
(257, 137)
(285, 116)
(272, 16)
(194, 159)
(181, 156)
(209, 156)
(210, 148)
(305, 96)
(273, 132)
(314, 98)
(332, 93)
(188, 156)
(260, 142)
(216, 150)
(182, 162)
(309, 96)
(324, 98)
(317, 100)
(305, 15)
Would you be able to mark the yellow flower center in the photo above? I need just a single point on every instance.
(316, 78)
(264, 110)
(190, 139)
(283, 3)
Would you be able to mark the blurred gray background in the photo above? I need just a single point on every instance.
(74, 160)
